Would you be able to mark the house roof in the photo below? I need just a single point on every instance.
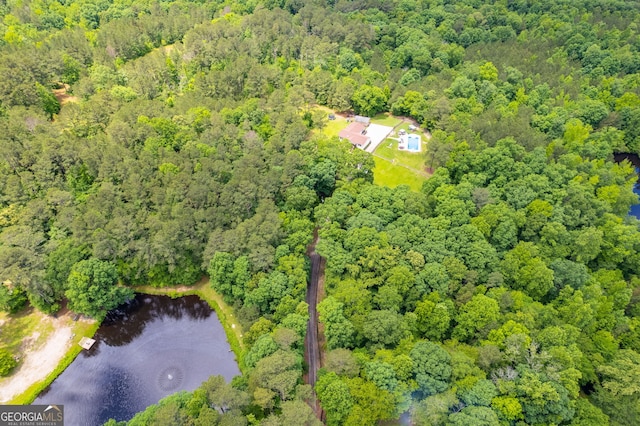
(360, 140)
(353, 128)
(354, 132)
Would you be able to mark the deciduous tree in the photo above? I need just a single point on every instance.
(92, 288)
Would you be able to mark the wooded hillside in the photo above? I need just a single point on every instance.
(151, 142)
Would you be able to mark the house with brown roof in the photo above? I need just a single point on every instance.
(356, 133)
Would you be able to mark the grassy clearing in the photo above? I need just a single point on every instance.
(332, 127)
(401, 168)
(392, 175)
(389, 150)
(80, 329)
(386, 119)
(63, 96)
(17, 327)
(203, 289)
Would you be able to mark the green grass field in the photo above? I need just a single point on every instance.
(389, 149)
(332, 127)
(392, 175)
(386, 119)
(399, 167)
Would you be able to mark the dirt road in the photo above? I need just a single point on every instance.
(312, 347)
(38, 363)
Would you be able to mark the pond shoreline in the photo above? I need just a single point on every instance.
(79, 330)
(146, 349)
(202, 289)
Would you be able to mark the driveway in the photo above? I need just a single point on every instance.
(377, 133)
(311, 341)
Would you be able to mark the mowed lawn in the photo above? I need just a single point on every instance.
(386, 119)
(389, 149)
(392, 175)
(331, 127)
(399, 167)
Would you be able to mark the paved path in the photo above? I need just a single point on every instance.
(312, 348)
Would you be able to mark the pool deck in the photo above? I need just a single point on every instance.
(404, 144)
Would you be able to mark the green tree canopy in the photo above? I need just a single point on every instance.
(431, 366)
(92, 288)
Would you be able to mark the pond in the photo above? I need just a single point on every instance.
(145, 350)
(635, 160)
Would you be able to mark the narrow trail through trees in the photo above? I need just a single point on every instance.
(311, 342)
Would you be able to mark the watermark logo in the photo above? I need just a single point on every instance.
(31, 415)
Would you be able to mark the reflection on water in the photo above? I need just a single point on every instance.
(128, 321)
(145, 350)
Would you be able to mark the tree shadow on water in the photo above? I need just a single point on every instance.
(123, 324)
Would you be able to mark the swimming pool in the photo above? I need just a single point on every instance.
(413, 143)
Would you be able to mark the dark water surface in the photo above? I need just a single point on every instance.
(150, 348)
(635, 160)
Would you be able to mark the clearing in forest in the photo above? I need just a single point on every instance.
(396, 167)
(393, 167)
(40, 342)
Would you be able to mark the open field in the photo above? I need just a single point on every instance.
(386, 119)
(395, 167)
(392, 175)
(389, 149)
(17, 328)
(332, 127)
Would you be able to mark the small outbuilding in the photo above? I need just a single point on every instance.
(364, 120)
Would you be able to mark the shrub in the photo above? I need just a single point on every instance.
(7, 362)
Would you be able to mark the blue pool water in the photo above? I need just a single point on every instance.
(413, 143)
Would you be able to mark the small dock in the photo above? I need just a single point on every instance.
(86, 343)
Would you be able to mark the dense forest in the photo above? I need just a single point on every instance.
(153, 142)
